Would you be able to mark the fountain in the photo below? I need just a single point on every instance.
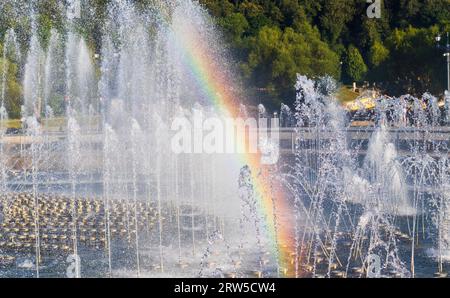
(92, 188)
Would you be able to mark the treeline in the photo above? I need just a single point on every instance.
(273, 40)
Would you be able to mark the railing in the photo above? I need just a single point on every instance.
(403, 138)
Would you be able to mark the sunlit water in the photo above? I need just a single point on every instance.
(94, 179)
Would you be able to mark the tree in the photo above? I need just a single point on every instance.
(234, 26)
(255, 14)
(13, 91)
(311, 8)
(335, 15)
(273, 40)
(414, 64)
(356, 68)
(277, 56)
(218, 8)
(378, 54)
(435, 12)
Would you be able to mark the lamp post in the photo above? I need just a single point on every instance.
(446, 50)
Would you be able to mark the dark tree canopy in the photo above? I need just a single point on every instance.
(274, 39)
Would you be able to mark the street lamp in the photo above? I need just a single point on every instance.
(446, 50)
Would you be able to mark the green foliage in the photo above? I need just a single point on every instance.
(378, 54)
(314, 37)
(13, 90)
(277, 56)
(413, 64)
(272, 41)
(356, 69)
(334, 18)
(235, 26)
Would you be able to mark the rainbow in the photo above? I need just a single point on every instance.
(220, 91)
